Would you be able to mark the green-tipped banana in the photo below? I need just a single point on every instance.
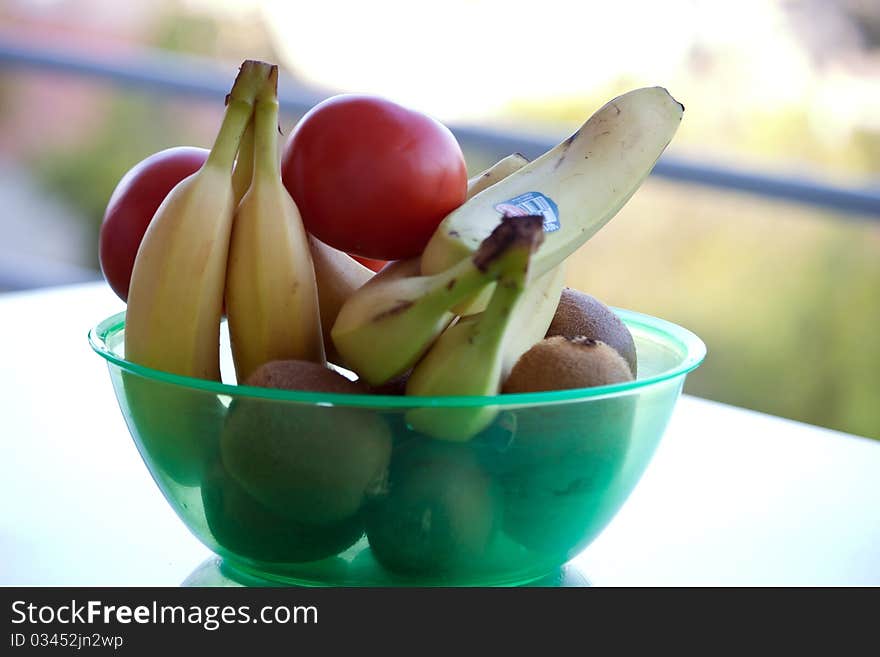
(483, 180)
(176, 296)
(468, 358)
(533, 315)
(271, 295)
(386, 326)
(496, 173)
(578, 186)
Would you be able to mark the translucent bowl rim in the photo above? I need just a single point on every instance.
(681, 339)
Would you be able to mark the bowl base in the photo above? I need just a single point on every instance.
(217, 572)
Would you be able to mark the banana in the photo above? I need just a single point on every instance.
(243, 172)
(578, 186)
(394, 271)
(271, 293)
(532, 316)
(536, 309)
(469, 357)
(386, 326)
(338, 276)
(483, 180)
(176, 296)
(497, 172)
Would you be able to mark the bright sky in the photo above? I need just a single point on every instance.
(466, 59)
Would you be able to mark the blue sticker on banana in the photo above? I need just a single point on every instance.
(533, 203)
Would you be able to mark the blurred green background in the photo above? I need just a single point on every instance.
(786, 297)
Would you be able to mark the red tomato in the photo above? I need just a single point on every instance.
(373, 178)
(375, 265)
(132, 205)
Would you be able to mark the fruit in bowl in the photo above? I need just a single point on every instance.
(458, 417)
(536, 485)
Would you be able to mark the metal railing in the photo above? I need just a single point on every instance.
(175, 74)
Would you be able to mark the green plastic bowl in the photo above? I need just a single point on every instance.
(331, 489)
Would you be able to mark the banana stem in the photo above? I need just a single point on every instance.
(509, 246)
(243, 173)
(266, 129)
(239, 108)
(513, 232)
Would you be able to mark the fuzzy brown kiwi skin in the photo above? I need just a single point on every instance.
(303, 375)
(579, 314)
(560, 363)
(309, 464)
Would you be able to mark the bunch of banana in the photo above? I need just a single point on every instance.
(577, 187)
(232, 232)
(176, 296)
(399, 313)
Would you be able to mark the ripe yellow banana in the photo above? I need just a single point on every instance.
(386, 326)
(468, 358)
(271, 294)
(578, 186)
(497, 172)
(338, 276)
(176, 296)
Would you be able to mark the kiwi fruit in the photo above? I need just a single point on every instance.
(248, 529)
(396, 386)
(581, 315)
(560, 363)
(563, 473)
(303, 375)
(309, 464)
(558, 473)
(438, 514)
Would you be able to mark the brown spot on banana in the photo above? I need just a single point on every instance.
(565, 146)
(394, 310)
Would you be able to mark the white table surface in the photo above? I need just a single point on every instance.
(732, 497)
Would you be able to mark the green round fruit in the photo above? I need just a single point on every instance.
(248, 529)
(309, 464)
(560, 473)
(438, 514)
